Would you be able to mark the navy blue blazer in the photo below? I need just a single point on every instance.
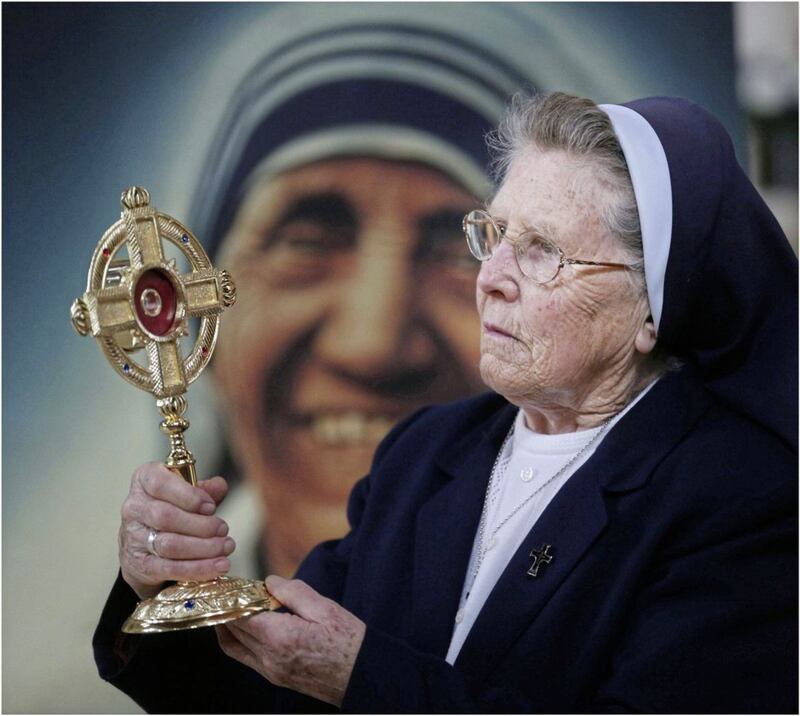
(673, 584)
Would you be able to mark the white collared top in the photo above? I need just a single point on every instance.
(529, 460)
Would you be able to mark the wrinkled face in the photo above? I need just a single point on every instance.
(551, 345)
(355, 307)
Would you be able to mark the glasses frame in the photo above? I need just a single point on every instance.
(563, 259)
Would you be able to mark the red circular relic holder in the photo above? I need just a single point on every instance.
(156, 302)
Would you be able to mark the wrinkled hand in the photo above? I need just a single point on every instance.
(311, 651)
(192, 544)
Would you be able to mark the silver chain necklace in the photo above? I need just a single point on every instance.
(498, 475)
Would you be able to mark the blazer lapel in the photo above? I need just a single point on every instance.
(445, 530)
(576, 517)
(448, 520)
(569, 525)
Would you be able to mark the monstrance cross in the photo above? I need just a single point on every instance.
(145, 302)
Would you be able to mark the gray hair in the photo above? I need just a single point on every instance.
(576, 126)
(580, 128)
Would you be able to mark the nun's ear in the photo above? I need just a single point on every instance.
(646, 336)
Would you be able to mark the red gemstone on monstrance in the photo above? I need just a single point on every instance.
(156, 302)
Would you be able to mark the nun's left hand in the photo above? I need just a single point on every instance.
(311, 650)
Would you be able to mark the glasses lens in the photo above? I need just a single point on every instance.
(538, 259)
(481, 234)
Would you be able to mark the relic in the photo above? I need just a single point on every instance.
(143, 303)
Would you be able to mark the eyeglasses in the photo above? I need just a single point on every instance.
(537, 258)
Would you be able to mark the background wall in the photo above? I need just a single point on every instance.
(99, 97)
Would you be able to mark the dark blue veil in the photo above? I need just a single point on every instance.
(730, 286)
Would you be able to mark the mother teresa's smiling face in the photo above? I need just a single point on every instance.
(355, 307)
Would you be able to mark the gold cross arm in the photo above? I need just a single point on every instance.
(208, 292)
(109, 311)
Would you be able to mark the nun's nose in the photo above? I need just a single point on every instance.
(500, 274)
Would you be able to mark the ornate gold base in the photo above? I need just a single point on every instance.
(189, 605)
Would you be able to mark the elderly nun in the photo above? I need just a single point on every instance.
(613, 527)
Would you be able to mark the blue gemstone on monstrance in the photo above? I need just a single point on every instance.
(189, 604)
(126, 368)
(185, 238)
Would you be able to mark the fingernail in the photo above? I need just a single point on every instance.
(222, 530)
(271, 582)
(208, 508)
(228, 546)
(222, 565)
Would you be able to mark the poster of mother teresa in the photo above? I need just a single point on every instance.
(334, 190)
(335, 193)
(326, 155)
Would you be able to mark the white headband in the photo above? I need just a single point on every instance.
(647, 165)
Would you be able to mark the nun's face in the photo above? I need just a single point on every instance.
(570, 344)
(355, 307)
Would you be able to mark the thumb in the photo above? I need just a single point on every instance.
(301, 599)
(216, 488)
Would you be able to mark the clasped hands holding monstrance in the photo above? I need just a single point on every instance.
(144, 303)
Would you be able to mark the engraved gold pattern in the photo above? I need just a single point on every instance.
(189, 605)
(80, 317)
(134, 197)
(228, 288)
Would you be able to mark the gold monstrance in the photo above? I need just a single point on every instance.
(144, 303)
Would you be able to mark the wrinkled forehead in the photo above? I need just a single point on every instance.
(559, 194)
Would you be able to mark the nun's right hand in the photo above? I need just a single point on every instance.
(169, 530)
